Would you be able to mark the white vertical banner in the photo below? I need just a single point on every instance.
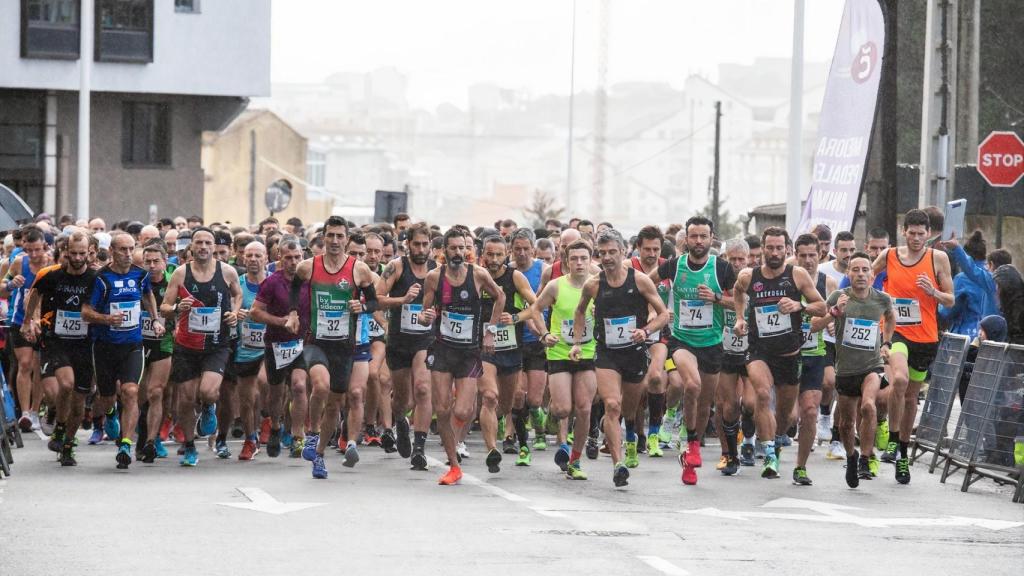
(847, 115)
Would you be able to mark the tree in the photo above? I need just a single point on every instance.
(542, 209)
(727, 226)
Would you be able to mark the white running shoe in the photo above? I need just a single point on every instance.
(34, 417)
(824, 428)
(836, 451)
(461, 450)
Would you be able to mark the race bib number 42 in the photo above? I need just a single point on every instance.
(772, 322)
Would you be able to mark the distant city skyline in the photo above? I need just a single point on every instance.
(446, 47)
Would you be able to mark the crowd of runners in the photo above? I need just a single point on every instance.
(579, 342)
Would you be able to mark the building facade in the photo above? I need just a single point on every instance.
(162, 73)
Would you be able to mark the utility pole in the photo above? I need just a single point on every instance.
(794, 191)
(572, 93)
(938, 120)
(252, 176)
(967, 89)
(718, 153)
(881, 199)
(600, 114)
(85, 51)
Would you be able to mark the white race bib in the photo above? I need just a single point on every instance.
(204, 319)
(331, 324)
(695, 314)
(252, 334)
(810, 339)
(70, 325)
(654, 337)
(907, 310)
(456, 327)
(618, 332)
(129, 312)
(410, 319)
(567, 331)
(771, 322)
(286, 352)
(505, 337)
(148, 332)
(733, 343)
(861, 334)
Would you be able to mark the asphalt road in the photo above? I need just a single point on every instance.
(231, 517)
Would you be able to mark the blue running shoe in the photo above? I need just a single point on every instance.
(124, 455)
(562, 457)
(351, 455)
(112, 425)
(287, 438)
(191, 456)
(208, 420)
(97, 436)
(309, 448)
(783, 440)
(319, 468)
(161, 452)
(222, 450)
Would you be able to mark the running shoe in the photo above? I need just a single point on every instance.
(836, 451)
(824, 429)
(524, 456)
(620, 477)
(249, 450)
(370, 436)
(124, 454)
(852, 480)
(574, 472)
(722, 461)
(783, 441)
(654, 447)
(404, 444)
(874, 466)
(236, 429)
(631, 460)
(562, 457)
(351, 455)
(161, 451)
(592, 449)
(540, 443)
(319, 468)
(569, 437)
(451, 477)
(190, 457)
(208, 420)
(758, 451)
(112, 425)
(34, 418)
(800, 477)
(222, 450)
(882, 435)
(771, 467)
(903, 471)
(96, 437)
(864, 468)
(508, 446)
(149, 452)
(732, 467)
(692, 454)
(165, 428)
(179, 434)
(462, 450)
(274, 443)
(689, 476)
(418, 461)
(889, 455)
(388, 441)
(47, 423)
(747, 455)
(664, 435)
(286, 438)
(493, 461)
(56, 441)
(296, 448)
(67, 455)
(25, 423)
(265, 427)
(309, 447)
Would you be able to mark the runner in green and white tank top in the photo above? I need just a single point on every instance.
(562, 326)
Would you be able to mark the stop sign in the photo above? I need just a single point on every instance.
(1001, 159)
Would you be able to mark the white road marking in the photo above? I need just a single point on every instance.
(474, 481)
(663, 566)
(548, 513)
(836, 514)
(260, 501)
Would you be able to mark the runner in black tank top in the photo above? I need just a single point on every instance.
(772, 333)
(621, 299)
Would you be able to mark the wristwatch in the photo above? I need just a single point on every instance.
(492, 328)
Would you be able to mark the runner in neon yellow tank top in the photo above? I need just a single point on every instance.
(572, 384)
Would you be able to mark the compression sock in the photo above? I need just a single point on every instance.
(731, 429)
(747, 425)
(420, 439)
(519, 416)
(630, 430)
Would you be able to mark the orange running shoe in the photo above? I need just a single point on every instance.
(179, 434)
(452, 477)
(165, 428)
(249, 450)
(265, 430)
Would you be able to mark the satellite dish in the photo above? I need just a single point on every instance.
(279, 195)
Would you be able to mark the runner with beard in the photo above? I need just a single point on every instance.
(773, 320)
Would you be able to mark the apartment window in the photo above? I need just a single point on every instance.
(146, 134)
(49, 29)
(21, 131)
(316, 168)
(186, 6)
(124, 31)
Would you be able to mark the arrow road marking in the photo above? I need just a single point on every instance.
(663, 566)
(260, 501)
(835, 514)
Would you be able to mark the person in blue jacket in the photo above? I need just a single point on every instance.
(973, 287)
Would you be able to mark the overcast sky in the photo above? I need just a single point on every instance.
(444, 46)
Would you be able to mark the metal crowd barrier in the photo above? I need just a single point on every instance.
(991, 419)
(943, 384)
(9, 432)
